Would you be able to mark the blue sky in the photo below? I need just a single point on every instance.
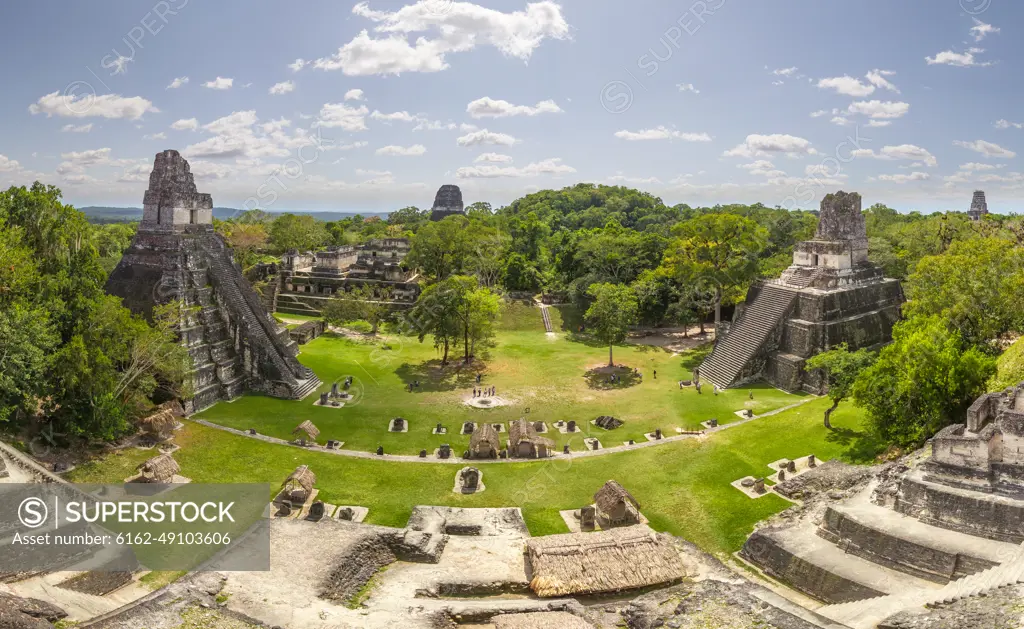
(372, 106)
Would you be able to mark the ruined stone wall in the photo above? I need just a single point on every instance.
(361, 561)
(981, 516)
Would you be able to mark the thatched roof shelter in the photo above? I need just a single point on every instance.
(307, 427)
(606, 561)
(521, 430)
(160, 469)
(540, 620)
(302, 478)
(160, 423)
(612, 495)
(485, 443)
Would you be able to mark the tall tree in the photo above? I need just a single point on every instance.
(304, 233)
(840, 368)
(717, 250)
(614, 309)
(923, 381)
(443, 248)
(362, 303)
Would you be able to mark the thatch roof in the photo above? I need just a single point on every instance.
(161, 422)
(161, 468)
(611, 495)
(302, 477)
(484, 437)
(540, 620)
(606, 561)
(307, 427)
(521, 430)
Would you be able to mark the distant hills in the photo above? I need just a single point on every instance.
(100, 214)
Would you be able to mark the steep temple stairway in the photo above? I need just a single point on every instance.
(748, 334)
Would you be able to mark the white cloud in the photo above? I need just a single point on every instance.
(762, 167)
(297, 65)
(1006, 124)
(785, 71)
(496, 158)
(354, 94)
(434, 125)
(980, 30)
(902, 151)
(400, 116)
(959, 59)
(483, 136)
(846, 85)
(185, 124)
(347, 147)
(487, 107)
(879, 109)
(778, 82)
(620, 178)
(203, 169)
(547, 167)
(238, 135)
(877, 78)
(988, 149)
(842, 121)
(87, 105)
(403, 151)
(83, 128)
(914, 176)
(341, 115)
(178, 82)
(135, 174)
(977, 166)
(282, 88)
(220, 83)
(662, 133)
(7, 163)
(155, 136)
(823, 112)
(879, 123)
(687, 87)
(758, 145)
(460, 28)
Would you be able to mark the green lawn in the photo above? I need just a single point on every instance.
(683, 487)
(546, 375)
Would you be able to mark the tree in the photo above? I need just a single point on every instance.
(365, 303)
(442, 248)
(613, 311)
(924, 380)
(840, 368)
(437, 313)
(974, 286)
(718, 250)
(246, 239)
(479, 314)
(303, 233)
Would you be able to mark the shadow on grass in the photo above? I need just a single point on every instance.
(601, 378)
(861, 446)
(694, 357)
(433, 377)
(572, 318)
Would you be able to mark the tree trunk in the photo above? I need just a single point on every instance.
(444, 360)
(611, 363)
(828, 413)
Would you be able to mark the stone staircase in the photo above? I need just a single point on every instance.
(867, 613)
(801, 276)
(747, 335)
(547, 319)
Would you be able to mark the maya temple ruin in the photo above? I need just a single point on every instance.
(832, 294)
(234, 342)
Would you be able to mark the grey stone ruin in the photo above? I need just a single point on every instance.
(440, 429)
(565, 449)
(3, 469)
(252, 431)
(657, 433)
(632, 443)
(346, 513)
(759, 486)
(380, 450)
(812, 461)
(791, 467)
(831, 294)
(503, 454)
(334, 389)
(176, 255)
(587, 518)
(447, 202)
(445, 451)
(316, 511)
(423, 454)
(538, 426)
(467, 428)
(713, 423)
(594, 445)
(398, 425)
(782, 475)
(572, 426)
(979, 207)
(323, 399)
(470, 479)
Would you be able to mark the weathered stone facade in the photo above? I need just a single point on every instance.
(305, 281)
(447, 202)
(979, 207)
(830, 295)
(234, 342)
